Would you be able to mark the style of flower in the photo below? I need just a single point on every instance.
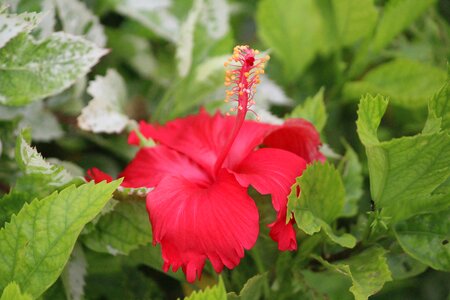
(202, 166)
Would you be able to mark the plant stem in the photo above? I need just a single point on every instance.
(261, 269)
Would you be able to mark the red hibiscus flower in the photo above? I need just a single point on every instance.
(201, 168)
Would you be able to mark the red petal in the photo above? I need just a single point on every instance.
(202, 136)
(273, 171)
(297, 136)
(150, 165)
(97, 176)
(194, 223)
(282, 233)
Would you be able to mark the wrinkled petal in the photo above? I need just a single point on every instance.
(273, 171)
(201, 137)
(282, 233)
(297, 136)
(194, 223)
(97, 176)
(151, 165)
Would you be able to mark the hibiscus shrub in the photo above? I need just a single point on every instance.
(318, 169)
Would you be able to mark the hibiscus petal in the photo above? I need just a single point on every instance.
(297, 136)
(97, 176)
(201, 137)
(282, 233)
(273, 171)
(150, 165)
(194, 223)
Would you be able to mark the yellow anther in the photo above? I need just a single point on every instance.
(256, 52)
(267, 57)
(241, 93)
(227, 83)
(225, 64)
(246, 74)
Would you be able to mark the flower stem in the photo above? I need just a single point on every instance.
(261, 270)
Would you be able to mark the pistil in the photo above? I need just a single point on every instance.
(242, 77)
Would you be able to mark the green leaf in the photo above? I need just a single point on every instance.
(13, 25)
(31, 70)
(368, 271)
(185, 42)
(439, 109)
(12, 292)
(321, 201)
(77, 19)
(124, 229)
(355, 19)
(154, 15)
(396, 17)
(39, 179)
(105, 112)
(216, 292)
(215, 18)
(426, 237)
(287, 26)
(35, 115)
(404, 172)
(351, 171)
(252, 289)
(150, 255)
(36, 244)
(408, 83)
(313, 110)
(402, 265)
(32, 163)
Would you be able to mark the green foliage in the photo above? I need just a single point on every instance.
(123, 229)
(164, 61)
(13, 25)
(321, 201)
(286, 26)
(355, 19)
(368, 271)
(396, 17)
(404, 172)
(351, 171)
(313, 110)
(426, 238)
(439, 109)
(216, 292)
(34, 253)
(39, 179)
(31, 70)
(252, 289)
(407, 82)
(12, 292)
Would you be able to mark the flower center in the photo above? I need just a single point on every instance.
(242, 78)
